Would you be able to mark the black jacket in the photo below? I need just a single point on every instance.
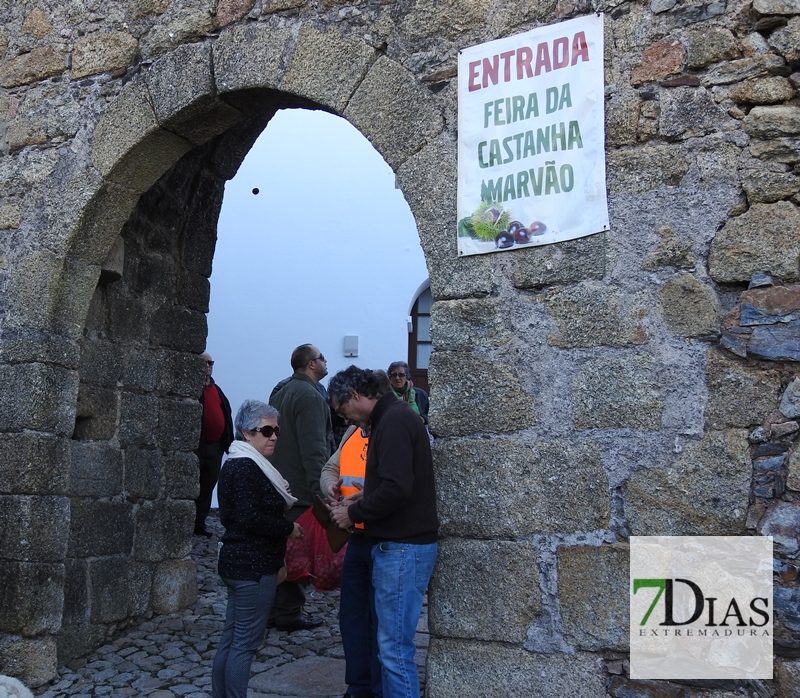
(399, 501)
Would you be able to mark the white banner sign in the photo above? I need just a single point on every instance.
(531, 141)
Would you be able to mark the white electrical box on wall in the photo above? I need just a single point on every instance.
(351, 345)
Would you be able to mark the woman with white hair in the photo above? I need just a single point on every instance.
(253, 497)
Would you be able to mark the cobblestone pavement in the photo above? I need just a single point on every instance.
(170, 656)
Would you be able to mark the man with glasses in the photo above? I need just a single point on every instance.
(398, 510)
(299, 456)
(216, 435)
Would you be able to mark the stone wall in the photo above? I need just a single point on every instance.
(640, 381)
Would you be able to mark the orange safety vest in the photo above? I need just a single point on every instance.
(353, 464)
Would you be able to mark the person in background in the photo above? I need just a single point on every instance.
(253, 499)
(216, 434)
(400, 378)
(299, 456)
(398, 510)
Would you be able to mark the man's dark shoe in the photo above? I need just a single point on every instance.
(302, 623)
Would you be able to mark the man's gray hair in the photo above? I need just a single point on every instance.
(250, 414)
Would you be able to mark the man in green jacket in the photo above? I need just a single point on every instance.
(302, 449)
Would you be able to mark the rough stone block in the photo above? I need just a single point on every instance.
(659, 61)
(128, 315)
(622, 118)
(784, 150)
(616, 392)
(153, 273)
(38, 397)
(77, 640)
(174, 586)
(594, 314)
(786, 40)
(466, 600)
(561, 263)
(468, 323)
(141, 369)
(101, 52)
(397, 114)
(772, 121)
(32, 598)
(179, 328)
(96, 470)
(593, 591)
(765, 186)
(776, 7)
(100, 221)
(229, 11)
(100, 363)
(142, 473)
(182, 88)
(164, 530)
(263, 44)
(40, 63)
(33, 463)
(456, 412)
(446, 19)
(515, 490)
(179, 423)
(31, 659)
(138, 420)
(96, 413)
(790, 400)
(194, 291)
(764, 91)
(181, 24)
(764, 240)
(181, 373)
(709, 45)
(458, 668)
(644, 169)
(738, 395)
(689, 112)
(182, 476)
(704, 492)
(118, 588)
(434, 169)
(730, 72)
(128, 147)
(99, 528)
(34, 528)
(76, 591)
(782, 522)
(689, 307)
(317, 56)
(780, 342)
(787, 677)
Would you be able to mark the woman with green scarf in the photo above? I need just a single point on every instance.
(417, 398)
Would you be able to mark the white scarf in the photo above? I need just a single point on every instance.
(242, 449)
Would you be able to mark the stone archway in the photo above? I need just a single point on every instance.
(126, 297)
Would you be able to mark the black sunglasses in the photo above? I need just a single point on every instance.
(267, 430)
(397, 375)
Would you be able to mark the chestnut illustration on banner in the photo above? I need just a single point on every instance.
(504, 239)
(537, 228)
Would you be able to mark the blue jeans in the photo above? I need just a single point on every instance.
(358, 622)
(249, 604)
(400, 574)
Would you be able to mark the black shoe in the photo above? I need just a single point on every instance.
(302, 623)
(202, 532)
